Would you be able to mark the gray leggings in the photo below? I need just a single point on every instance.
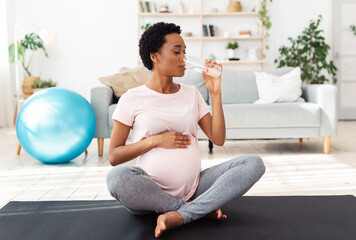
(134, 189)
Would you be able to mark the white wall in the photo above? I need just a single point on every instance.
(6, 110)
(97, 37)
(290, 17)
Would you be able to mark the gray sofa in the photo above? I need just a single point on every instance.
(316, 117)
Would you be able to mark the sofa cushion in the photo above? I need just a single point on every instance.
(110, 112)
(285, 88)
(272, 115)
(239, 86)
(280, 115)
(130, 78)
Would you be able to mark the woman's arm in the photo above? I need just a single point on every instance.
(214, 126)
(121, 153)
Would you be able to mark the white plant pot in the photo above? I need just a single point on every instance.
(231, 53)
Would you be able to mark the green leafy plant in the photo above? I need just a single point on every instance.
(309, 51)
(353, 29)
(31, 42)
(265, 19)
(232, 45)
(44, 84)
(145, 26)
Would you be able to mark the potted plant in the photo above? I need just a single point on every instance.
(41, 84)
(231, 47)
(145, 26)
(31, 43)
(309, 51)
(265, 20)
(353, 29)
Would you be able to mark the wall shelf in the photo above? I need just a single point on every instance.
(254, 62)
(169, 14)
(229, 14)
(223, 14)
(221, 38)
(203, 43)
(231, 38)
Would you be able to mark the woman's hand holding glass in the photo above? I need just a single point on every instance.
(171, 140)
(213, 84)
(197, 65)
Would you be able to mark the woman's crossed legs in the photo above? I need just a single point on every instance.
(132, 187)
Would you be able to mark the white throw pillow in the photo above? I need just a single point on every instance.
(285, 88)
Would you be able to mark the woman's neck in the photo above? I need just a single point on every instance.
(162, 84)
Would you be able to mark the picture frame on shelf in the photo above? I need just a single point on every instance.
(251, 54)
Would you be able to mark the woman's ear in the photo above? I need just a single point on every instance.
(153, 57)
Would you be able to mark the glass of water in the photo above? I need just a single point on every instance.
(197, 65)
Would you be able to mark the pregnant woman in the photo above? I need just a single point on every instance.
(163, 117)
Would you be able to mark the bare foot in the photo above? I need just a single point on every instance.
(168, 221)
(217, 214)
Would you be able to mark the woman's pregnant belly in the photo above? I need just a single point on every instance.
(176, 171)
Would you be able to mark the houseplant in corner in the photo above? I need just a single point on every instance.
(30, 44)
(309, 51)
(231, 47)
(353, 29)
(41, 84)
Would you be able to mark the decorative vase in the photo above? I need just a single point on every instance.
(226, 34)
(164, 8)
(214, 10)
(181, 9)
(231, 53)
(234, 6)
(27, 84)
(211, 56)
(255, 9)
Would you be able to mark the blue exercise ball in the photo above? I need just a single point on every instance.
(55, 125)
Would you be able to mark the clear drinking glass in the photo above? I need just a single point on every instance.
(195, 64)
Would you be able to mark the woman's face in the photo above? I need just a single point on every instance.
(169, 58)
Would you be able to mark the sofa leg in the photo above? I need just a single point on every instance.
(100, 146)
(326, 141)
(300, 146)
(211, 146)
(18, 149)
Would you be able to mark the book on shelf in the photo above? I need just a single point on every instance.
(140, 5)
(205, 30)
(153, 7)
(209, 30)
(212, 30)
(147, 6)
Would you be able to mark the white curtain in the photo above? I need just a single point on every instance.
(6, 96)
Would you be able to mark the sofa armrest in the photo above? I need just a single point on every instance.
(325, 95)
(101, 98)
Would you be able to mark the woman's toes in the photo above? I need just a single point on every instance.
(219, 214)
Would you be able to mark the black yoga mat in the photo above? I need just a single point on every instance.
(277, 218)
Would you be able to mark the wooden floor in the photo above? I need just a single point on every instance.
(291, 168)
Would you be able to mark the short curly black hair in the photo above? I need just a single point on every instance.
(153, 38)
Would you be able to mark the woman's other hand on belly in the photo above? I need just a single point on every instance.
(171, 140)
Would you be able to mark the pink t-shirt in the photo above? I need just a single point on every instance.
(149, 113)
